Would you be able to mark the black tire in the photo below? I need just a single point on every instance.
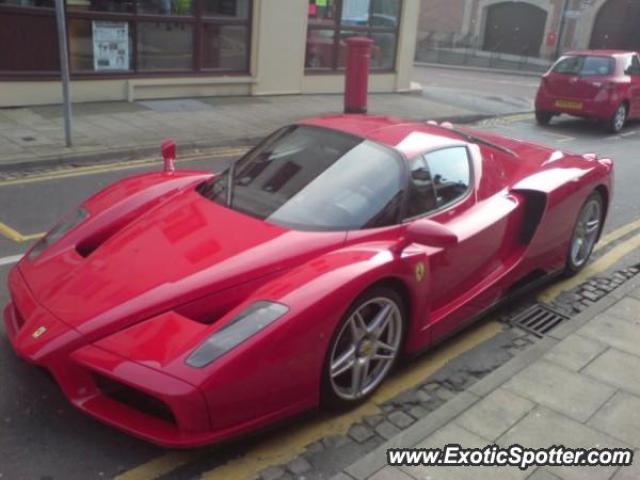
(617, 121)
(573, 266)
(329, 398)
(543, 118)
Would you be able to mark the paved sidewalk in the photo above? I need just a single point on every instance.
(578, 387)
(122, 130)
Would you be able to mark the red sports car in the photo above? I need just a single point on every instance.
(185, 307)
(599, 84)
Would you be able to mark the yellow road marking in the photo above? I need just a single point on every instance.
(617, 234)
(562, 138)
(595, 268)
(16, 236)
(117, 166)
(157, 467)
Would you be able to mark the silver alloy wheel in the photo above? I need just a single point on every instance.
(619, 118)
(365, 348)
(586, 233)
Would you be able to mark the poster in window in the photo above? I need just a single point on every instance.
(355, 11)
(110, 46)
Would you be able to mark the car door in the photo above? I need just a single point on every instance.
(633, 71)
(443, 188)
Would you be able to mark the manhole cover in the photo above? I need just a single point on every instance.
(538, 320)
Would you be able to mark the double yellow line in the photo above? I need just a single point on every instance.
(16, 236)
(69, 172)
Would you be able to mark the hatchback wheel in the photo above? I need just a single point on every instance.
(585, 234)
(619, 118)
(364, 348)
(543, 118)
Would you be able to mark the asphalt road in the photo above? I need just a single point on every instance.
(487, 92)
(42, 436)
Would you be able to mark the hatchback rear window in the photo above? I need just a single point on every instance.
(584, 65)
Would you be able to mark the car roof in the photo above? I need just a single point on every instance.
(408, 137)
(603, 52)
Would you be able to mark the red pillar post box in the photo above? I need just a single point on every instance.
(357, 74)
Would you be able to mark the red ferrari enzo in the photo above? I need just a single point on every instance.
(186, 307)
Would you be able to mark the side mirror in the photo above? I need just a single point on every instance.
(428, 233)
(169, 155)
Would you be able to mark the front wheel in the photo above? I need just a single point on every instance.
(585, 234)
(364, 348)
(619, 118)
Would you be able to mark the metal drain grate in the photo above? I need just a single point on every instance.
(538, 320)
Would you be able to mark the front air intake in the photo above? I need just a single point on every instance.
(134, 398)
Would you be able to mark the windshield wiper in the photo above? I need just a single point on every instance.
(474, 139)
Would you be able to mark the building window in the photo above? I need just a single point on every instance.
(127, 37)
(331, 22)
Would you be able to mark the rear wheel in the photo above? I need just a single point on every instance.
(543, 118)
(364, 348)
(619, 118)
(585, 233)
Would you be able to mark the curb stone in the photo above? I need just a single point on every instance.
(377, 459)
(471, 68)
(120, 154)
(142, 151)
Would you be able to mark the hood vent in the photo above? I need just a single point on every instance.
(90, 244)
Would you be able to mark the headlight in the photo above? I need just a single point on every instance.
(67, 223)
(243, 326)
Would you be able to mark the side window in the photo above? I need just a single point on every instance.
(422, 195)
(450, 172)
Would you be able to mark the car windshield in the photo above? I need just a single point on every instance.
(313, 178)
(584, 65)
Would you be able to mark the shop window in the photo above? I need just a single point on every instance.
(110, 6)
(165, 7)
(29, 43)
(225, 47)
(331, 22)
(116, 37)
(226, 8)
(165, 46)
(29, 3)
(99, 46)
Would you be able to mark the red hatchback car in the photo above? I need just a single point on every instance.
(599, 84)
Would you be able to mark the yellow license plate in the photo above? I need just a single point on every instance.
(569, 104)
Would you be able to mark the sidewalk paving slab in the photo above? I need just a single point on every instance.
(592, 368)
(618, 369)
(558, 388)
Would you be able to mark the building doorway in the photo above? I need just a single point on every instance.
(515, 27)
(617, 26)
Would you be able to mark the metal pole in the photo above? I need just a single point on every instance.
(64, 69)
(563, 22)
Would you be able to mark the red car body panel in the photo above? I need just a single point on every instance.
(155, 269)
(596, 96)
